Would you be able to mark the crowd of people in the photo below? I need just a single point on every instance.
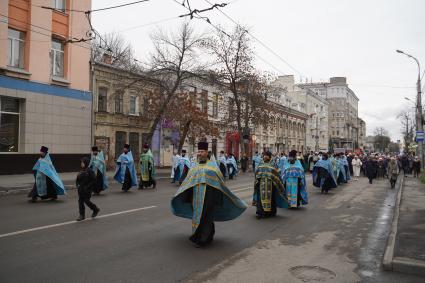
(203, 197)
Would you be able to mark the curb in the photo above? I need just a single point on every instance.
(387, 261)
(400, 264)
(25, 189)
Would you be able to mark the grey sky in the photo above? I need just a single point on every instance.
(356, 39)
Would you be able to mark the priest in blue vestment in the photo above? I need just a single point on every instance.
(232, 166)
(293, 178)
(48, 184)
(204, 198)
(323, 174)
(341, 176)
(125, 173)
(269, 192)
(256, 160)
(98, 166)
(223, 164)
(183, 167)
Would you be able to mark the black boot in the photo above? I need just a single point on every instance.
(81, 218)
(95, 212)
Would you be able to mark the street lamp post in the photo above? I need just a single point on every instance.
(419, 125)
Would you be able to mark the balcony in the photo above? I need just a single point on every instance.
(121, 120)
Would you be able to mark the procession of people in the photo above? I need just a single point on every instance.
(202, 196)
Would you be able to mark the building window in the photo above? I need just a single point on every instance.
(9, 124)
(59, 5)
(57, 56)
(102, 100)
(204, 101)
(215, 106)
(16, 47)
(119, 104)
(120, 140)
(133, 103)
(134, 143)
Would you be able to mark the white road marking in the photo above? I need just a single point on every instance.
(72, 222)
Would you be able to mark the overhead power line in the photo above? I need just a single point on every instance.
(260, 42)
(94, 10)
(206, 19)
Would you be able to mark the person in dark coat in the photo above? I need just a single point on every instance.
(350, 165)
(371, 169)
(405, 164)
(416, 167)
(244, 163)
(86, 181)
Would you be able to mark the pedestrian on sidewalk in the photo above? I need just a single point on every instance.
(98, 166)
(393, 172)
(85, 182)
(125, 173)
(244, 163)
(356, 164)
(416, 167)
(48, 184)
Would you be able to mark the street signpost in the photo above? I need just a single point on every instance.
(420, 136)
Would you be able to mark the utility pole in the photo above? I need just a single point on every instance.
(419, 125)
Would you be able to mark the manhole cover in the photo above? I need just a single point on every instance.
(312, 273)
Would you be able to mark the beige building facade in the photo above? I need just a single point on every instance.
(313, 106)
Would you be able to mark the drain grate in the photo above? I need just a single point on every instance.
(312, 273)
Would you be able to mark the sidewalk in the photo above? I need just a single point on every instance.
(408, 247)
(23, 183)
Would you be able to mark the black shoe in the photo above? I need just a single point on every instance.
(33, 200)
(95, 212)
(80, 218)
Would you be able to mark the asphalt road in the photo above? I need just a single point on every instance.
(338, 237)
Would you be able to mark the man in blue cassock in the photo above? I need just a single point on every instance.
(281, 163)
(98, 166)
(256, 160)
(48, 184)
(223, 164)
(125, 173)
(340, 170)
(269, 191)
(346, 167)
(293, 178)
(323, 174)
(204, 198)
(183, 167)
(232, 166)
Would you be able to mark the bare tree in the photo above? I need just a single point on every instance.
(408, 126)
(234, 72)
(382, 139)
(189, 112)
(173, 61)
(113, 49)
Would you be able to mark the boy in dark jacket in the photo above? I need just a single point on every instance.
(86, 180)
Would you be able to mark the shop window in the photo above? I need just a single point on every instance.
(9, 124)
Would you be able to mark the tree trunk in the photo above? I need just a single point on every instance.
(184, 135)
